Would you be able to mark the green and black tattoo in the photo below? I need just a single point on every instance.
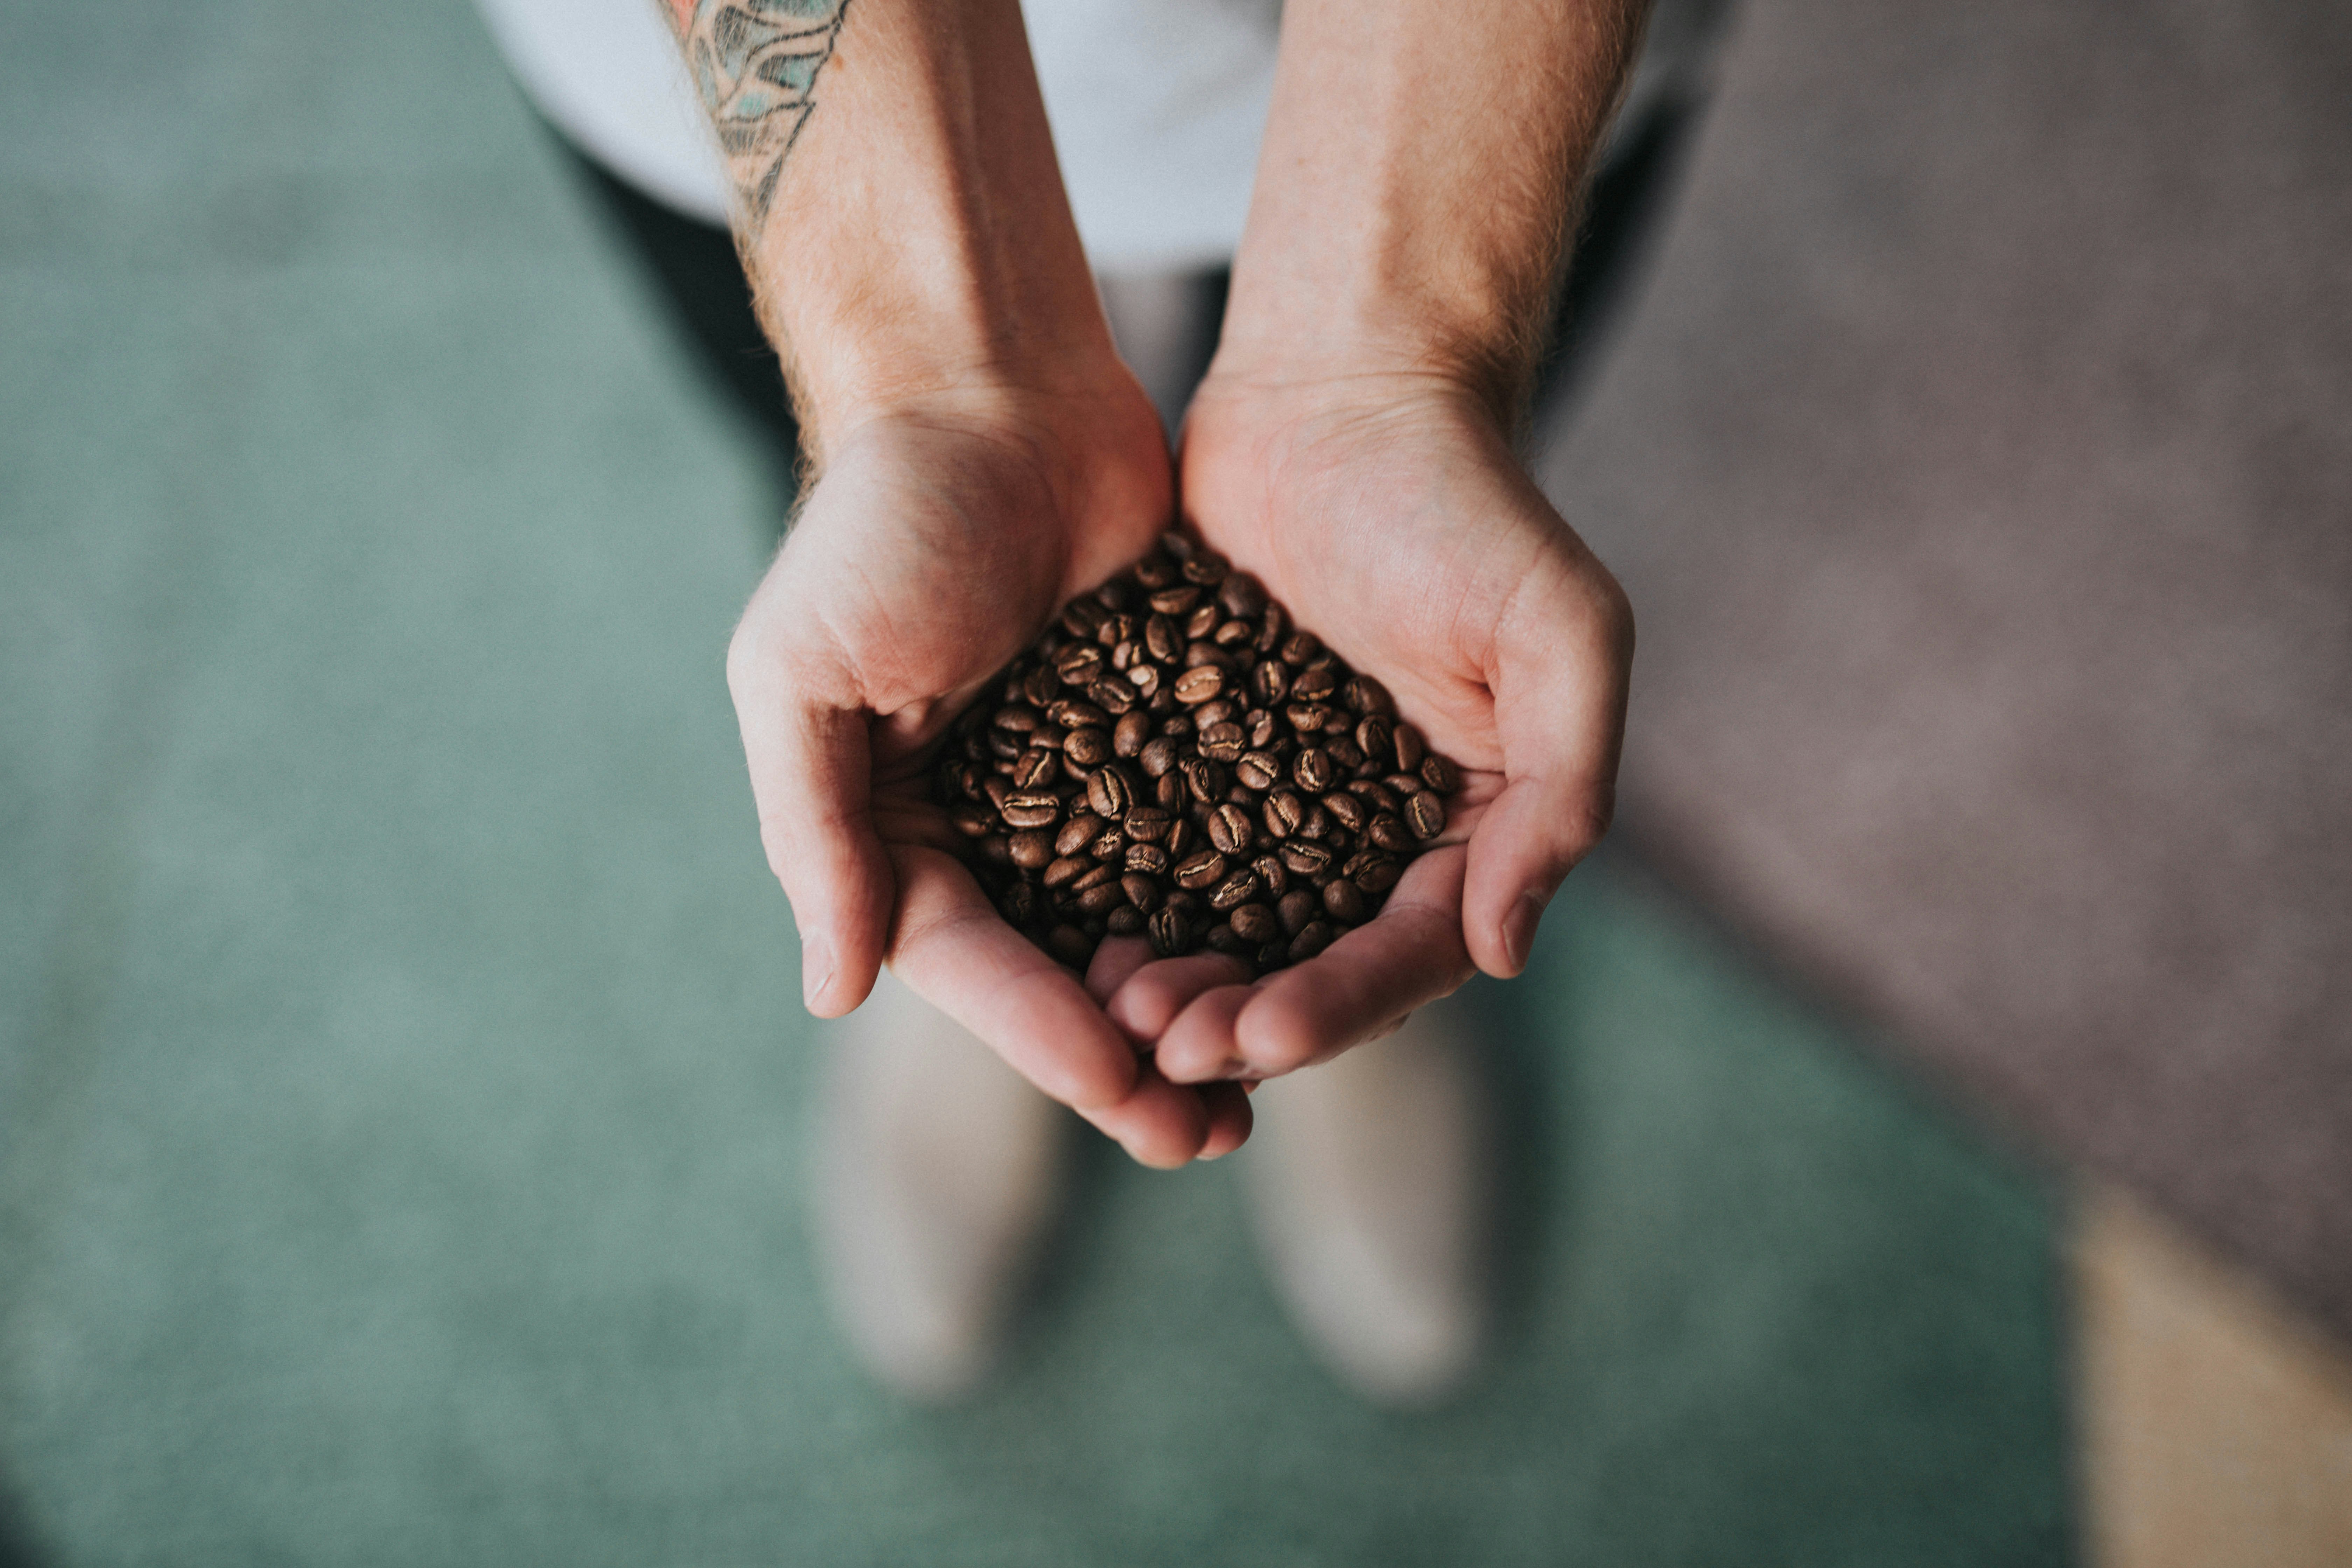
(755, 63)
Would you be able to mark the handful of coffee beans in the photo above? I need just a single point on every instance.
(1174, 759)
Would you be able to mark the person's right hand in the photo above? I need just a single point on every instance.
(933, 549)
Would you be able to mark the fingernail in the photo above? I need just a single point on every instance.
(817, 971)
(1519, 930)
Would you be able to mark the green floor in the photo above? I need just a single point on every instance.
(402, 1087)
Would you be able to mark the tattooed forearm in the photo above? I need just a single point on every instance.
(755, 62)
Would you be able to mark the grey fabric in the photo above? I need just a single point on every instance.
(1980, 462)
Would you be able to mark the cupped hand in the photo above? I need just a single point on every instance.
(933, 548)
(1390, 514)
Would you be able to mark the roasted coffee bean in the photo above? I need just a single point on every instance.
(1222, 938)
(1232, 634)
(1311, 940)
(1306, 857)
(1206, 567)
(1312, 767)
(1112, 695)
(1440, 774)
(971, 820)
(1346, 754)
(1314, 684)
(1146, 680)
(996, 849)
(1307, 717)
(1271, 875)
(1175, 601)
(1171, 933)
(1234, 891)
(1088, 747)
(1344, 900)
(1370, 869)
(1164, 639)
(1255, 924)
(1204, 781)
(1201, 683)
(1390, 834)
(1124, 921)
(1270, 680)
(1021, 903)
(1169, 792)
(1071, 945)
(1155, 571)
(1425, 814)
(1037, 768)
(1033, 851)
(1375, 796)
(1259, 769)
(1072, 714)
(1229, 829)
(1204, 869)
(1264, 731)
(1131, 734)
(1102, 898)
(1082, 617)
(1079, 664)
(1109, 844)
(1066, 871)
(1147, 823)
(1408, 748)
(1284, 812)
(1031, 808)
(1147, 858)
(1244, 597)
(1402, 786)
(1367, 696)
(1374, 736)
(1160, 755)
(1075, 834)
(1222, 742)
(1299, 647)
(1017, 718)
(1200, 623)
(1109, 791)
(1183, 838)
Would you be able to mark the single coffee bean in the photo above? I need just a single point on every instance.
(1367, 696)
(1202, 622)
(1312, 768)
(1222, 742)
(1232, 633)
(1031, 808)
(1109, 791)
(1017, 718)
(1300, 647)
(1033, 851)
(1259, 769)
(1272, 628)
(1146, 680)
(1142, 889)
(1255, 924)
(1374, 872)
(1201, 683)
(1088, 747)
(1244, 597)
(1271, 875)
(1222, 938)
(1284, 813)
(1182, 840)
(1270, 680)
(1440, 774)
(1306, 857)
(1425, 814)
(1147, 823)
(1171, 933)
(1160, 755)
(1036, 688)
(1390, 834)
(1203, 871)
(1132, 732)
(1375, 796)
(1311, 940)
(1229, 829)
(1314, 684)
(1204, 781)
(1066, 871)
(1079, 664)
(1109, 844)
(1346, 755)
(1410, 749)
(1175, 601)
(1101, 898)
(1113, 696)
(1164, 639)
(1075, 834)
(1155, 571)
(1306, 718)
(1147, 858)
(1072, 714)
(1082, 617)
(1206, 567)
(1264, 731)
(1124, 921)
(1344, 900)
(1234, 891)
(971, 820)
(1037, 769)
(1071, 945)
(1374, 736)
(1169, 792)
(1402, 786)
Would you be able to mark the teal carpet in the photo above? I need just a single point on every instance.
(403, 1091)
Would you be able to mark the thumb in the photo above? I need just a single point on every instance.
(1560, 714)
(812, 780)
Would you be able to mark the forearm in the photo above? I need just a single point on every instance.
(1414, 195)
(898, 208)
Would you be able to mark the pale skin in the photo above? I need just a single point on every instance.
(979, 455)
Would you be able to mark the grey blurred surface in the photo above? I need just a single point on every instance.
(1980, 462)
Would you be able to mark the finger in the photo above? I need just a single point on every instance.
(1154, 993)
(811, 781)
(1411, 953)
(1115, 959)
(958, 954)
(1230, 1118)
(1198, 1046)
(1560, 714)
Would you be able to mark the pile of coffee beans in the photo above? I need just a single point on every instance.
(1174, 759)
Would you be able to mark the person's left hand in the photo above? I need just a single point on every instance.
(1390, 514)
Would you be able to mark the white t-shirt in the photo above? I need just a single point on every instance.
(1157, 107)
